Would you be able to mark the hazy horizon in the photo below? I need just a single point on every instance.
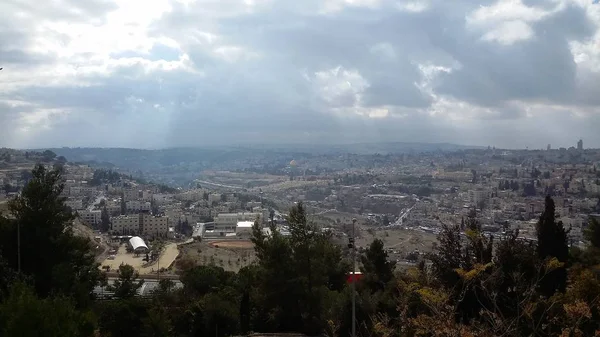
(294, 145)
(173, 73)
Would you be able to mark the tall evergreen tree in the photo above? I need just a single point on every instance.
(123, 204)
(376, 267)
(552, 243)
(592, 233)
(448, 256)
(55, 259)
(104, 220)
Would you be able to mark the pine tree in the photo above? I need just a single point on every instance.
(104, 220)
(56, 260)
(552, 243)
(592, 233)
(376, 267)
(127, 284)
(123, 204)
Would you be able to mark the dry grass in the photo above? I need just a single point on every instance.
(231, 255)
(233, 244)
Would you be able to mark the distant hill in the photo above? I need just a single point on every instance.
(176, 166)
(120, 156)
(365, 148)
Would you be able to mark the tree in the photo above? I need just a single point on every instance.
(56, 260)
(48, 155)
(296, 274)
(552, 243)
(127, 284)
(123, 204)
(122, 318)
(104, 220)
(448, 256)
(25, 314)
(592, 233)
(376, 267)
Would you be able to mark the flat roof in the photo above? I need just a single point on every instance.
(245, 224)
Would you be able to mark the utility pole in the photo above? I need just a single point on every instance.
(18, 243)
(353, 277)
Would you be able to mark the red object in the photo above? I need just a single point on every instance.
(352, 278)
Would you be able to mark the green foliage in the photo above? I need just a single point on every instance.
(102, 176)
(298, 283)
(376, 267)
(56, 260)
(25, 314)
(592, 233)
(296, 273)
(104, 220)
(127, 284)
(552, 243)
(125, 317)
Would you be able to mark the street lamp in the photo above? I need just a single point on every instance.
(18, 243)
(353, 246)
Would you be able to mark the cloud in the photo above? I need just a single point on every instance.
(173, 72)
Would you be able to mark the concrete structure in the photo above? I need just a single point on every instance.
(132, 194)
(126, 224)
(77, 191)
(478, 195)
(91, 218)
(74, 203)
(154, 225)
(162, 199)
(138, 245)
(244, 228)
(228, 222)
(135, 206)
(214, 197)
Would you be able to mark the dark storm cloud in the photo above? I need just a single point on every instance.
(540, 69)
(268, 74)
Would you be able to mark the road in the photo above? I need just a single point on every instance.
(96, 201)
(219, 185)
(147, 288)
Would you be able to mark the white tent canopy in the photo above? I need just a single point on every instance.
(138, 244)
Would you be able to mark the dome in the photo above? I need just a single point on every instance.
(293, 163)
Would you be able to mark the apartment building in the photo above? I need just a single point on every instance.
(132, 194)
(478, 195)
(126, 224)
(154, 225)
(90, 217)
(78, 191)
(135, 206)
(74, 203)
(227, 222)
(162, 199)
(214, 197)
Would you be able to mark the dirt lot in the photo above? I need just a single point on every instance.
(229, 254)
(235, 254)
(167, 257)
(399, 242)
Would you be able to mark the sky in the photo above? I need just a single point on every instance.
(166, 73)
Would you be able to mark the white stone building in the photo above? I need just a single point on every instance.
(91, 218)
(126, 224)
(151, 225)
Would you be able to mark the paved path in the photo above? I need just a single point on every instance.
(167, 257)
